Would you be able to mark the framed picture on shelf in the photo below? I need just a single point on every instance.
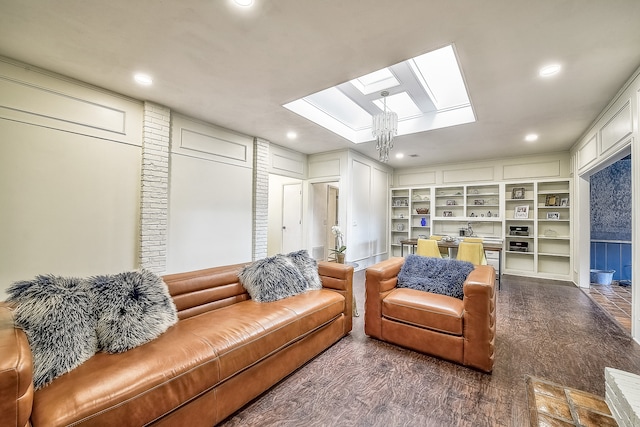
(518, 193)
(564, 201)
(451, 202)
(553, 215)
(478, 202)
(447, 213)
(521, 212)
(551, 200)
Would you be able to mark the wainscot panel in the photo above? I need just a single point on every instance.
(318, 169)
(588, 153)
(618, 128)
(193, 138)
(41, 98)
(532, 170)
(422, 178)
(468, 175)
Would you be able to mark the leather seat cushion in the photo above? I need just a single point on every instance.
(196, 354)
(424, 309)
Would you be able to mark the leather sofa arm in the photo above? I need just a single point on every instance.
(16, 372)
(480, 318)
(379, 281)
(339, 278)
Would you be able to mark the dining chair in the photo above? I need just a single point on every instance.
(428, 247)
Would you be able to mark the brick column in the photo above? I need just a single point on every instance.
(260, 197)
(155, 187)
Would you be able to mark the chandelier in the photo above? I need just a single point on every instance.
(384, 128)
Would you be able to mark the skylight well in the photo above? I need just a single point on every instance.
(427, 92)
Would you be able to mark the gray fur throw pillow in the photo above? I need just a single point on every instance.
(308, 267)
(132, 308)
(56, 313)
(436, 275)
(272, 278)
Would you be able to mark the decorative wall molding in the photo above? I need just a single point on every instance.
(549, 169)
(468, 174)
(194, 138)
(39, 99)
(286, 162)
(588, 153)
(413, 179)
(324, 168)
(619, 127)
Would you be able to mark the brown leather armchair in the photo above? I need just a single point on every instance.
(462, 331)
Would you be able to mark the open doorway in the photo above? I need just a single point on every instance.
(324, 198)
(610, 249)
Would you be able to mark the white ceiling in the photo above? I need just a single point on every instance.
(236, 67)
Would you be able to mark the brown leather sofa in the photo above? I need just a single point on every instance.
(224, 351)
(462, 331)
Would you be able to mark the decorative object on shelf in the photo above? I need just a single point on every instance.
(447, 213)
(489, 214)
(401, 216)
(564, 201)
(423, 222)
(383, 129)
(451, 202)
(521, 212)
(516, 246)
(422, 211)
(473, 191)
(518, 230)
(478, 202)
(518, 193)
(553, 215)
(551, 200)
(340, 248)
(550, 233)
(400, 227)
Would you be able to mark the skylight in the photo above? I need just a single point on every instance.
(427, 92)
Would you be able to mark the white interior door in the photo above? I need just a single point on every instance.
(291, 217)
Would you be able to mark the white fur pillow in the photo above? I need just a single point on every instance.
(56, 313)
(272, 278)
(133, 308)
(308, 267)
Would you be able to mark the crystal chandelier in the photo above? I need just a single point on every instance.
(384, 128)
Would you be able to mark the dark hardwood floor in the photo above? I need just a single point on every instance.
(545, 329)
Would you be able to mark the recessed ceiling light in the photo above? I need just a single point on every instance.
(399, 155)
(243, 3)
(292, 135)
(549, 70)
(143, 79)
(531, 137)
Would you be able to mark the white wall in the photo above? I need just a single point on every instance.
(69, 177)
(210, 196)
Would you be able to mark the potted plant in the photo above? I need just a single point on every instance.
(340, 248)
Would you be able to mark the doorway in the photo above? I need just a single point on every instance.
(291, 217)
(610, 231)
(325, 198)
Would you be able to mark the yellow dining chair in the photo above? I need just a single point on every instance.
(428, 247)
(477, 240)
(444, 252)
(472, 252)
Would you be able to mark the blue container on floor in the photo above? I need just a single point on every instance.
(601, 277)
